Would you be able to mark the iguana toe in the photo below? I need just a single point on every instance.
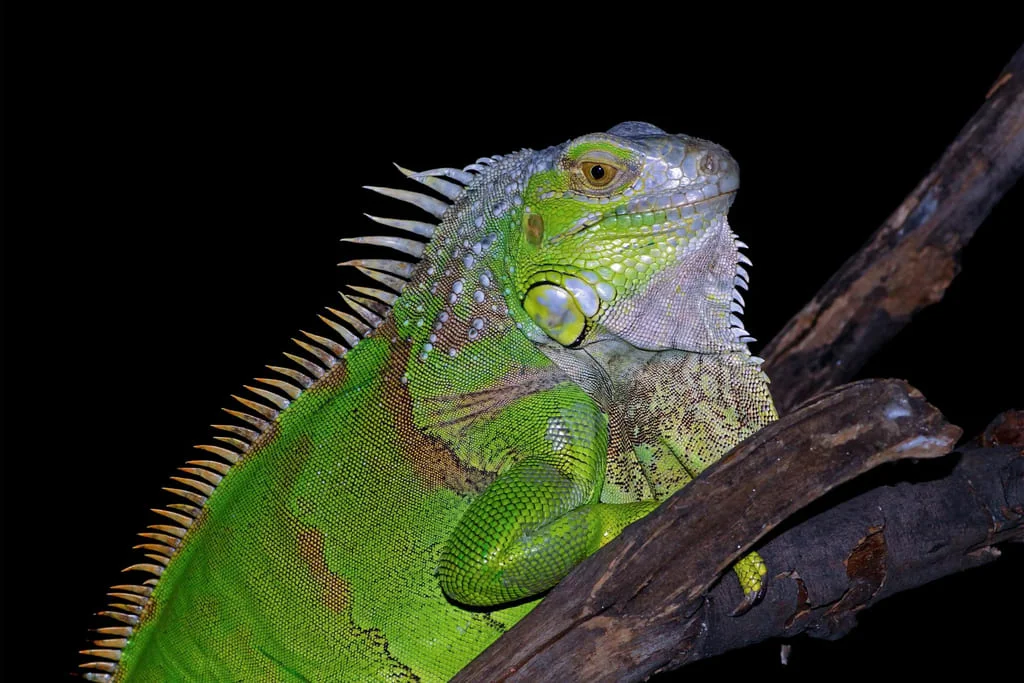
(750, 570)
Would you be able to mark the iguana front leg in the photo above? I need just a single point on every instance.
(542, 516)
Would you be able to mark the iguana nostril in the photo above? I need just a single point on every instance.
(709, 164)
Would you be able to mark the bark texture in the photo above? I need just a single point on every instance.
(911, 259)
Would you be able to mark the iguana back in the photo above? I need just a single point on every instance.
(564, 355)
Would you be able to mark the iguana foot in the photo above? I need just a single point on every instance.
(750, 570)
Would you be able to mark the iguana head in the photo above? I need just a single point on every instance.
(620, 234)
(624, 234)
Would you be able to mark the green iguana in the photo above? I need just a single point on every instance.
(565, 354)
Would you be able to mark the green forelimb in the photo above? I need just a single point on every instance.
(542, 516)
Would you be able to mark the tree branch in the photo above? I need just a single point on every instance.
(910, 261)
(637, 606)
(942, 518)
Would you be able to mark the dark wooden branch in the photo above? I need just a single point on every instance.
(637, 606)
(910, 261)
(942, 518)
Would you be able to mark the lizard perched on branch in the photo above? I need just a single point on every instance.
(564, 353)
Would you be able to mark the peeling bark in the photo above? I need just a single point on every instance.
(917, 524)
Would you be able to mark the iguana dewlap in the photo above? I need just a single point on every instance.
(564, 354)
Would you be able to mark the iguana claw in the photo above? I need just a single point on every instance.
(749, 600)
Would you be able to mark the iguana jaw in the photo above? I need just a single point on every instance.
(671, 212)
(577, 306)
(692, 304)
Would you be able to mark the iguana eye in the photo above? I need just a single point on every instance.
(598, 174)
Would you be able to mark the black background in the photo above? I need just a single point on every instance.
(189, 173)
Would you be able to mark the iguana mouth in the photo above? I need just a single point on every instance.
(672, 224)
(682, 209)
(675, 200)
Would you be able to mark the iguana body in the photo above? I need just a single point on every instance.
(563, 357)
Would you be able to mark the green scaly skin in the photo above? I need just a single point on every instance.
(564, 357)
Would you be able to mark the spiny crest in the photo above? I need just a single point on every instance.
(369, 305)
(741, 281)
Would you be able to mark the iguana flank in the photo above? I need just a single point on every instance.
(564, 355)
